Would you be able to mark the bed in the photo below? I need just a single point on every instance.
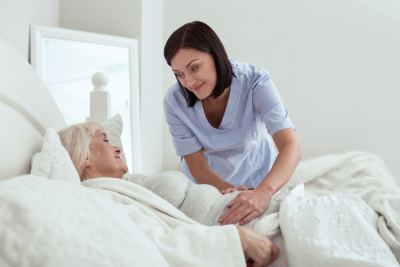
(48, 222)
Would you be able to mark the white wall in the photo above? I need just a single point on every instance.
(335, 64)
(152, 84)
(17, 15)
(141, 20)
(117, 17)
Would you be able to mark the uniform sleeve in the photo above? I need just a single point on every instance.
(267, 103)
(185, 141)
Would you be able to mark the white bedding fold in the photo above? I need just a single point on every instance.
(51, 223)
(385, 201)
(354, 172)
(204, 203)
(182, 241)
(333, 230)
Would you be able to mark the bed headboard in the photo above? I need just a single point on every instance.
(26, 110)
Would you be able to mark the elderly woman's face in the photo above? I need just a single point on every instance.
(105, 160)
(195, 70)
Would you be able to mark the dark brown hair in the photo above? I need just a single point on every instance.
(200, 36)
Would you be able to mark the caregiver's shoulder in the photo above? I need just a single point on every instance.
(250, 71)
(173, 92)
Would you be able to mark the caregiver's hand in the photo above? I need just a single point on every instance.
(245, 207)
(235, 188)
(257, 247)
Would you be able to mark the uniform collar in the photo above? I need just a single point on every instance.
(231, 108)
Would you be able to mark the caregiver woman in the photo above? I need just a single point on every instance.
(220, 113)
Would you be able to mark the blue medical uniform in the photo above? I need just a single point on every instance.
(241, 150)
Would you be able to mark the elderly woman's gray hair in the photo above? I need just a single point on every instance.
(76, 139)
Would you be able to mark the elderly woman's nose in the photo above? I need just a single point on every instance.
(118, 149)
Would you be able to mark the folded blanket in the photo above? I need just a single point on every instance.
(385, 202)
(181, 241)
(333, 230)
(353, 172)
(172, 187)
(204, 203)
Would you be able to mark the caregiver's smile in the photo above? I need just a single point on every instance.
(196, 71)
(198, 88)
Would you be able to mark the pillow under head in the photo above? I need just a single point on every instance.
(113, 128)
(54, 161)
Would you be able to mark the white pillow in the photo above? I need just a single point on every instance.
(54, 161)
(113, 128)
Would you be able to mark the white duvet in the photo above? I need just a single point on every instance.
(118, 223)
(331, 230)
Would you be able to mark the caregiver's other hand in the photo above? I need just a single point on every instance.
(235, 188)
(257, 248)
(245, 207)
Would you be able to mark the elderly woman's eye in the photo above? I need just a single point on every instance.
(194, 69)
(106, 140)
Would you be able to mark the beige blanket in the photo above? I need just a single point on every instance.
(182, 241)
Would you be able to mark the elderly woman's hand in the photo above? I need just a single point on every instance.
(235, 188)
(245, 207)
(257, 248)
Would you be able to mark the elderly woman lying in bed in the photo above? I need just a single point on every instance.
(181, 240)
(181, 218)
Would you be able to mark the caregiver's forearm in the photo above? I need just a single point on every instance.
(282, 170)
(204, 175)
